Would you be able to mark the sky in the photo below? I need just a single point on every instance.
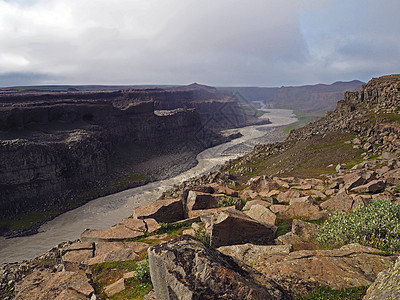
(213, 42)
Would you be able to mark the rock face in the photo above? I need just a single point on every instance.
(386, 285)
(186, 269)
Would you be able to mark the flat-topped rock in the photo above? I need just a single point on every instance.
(127, 229)
(43, 284)
(261, 214)
(339, 202)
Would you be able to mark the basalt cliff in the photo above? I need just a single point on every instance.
(60, 149)
(256, 228)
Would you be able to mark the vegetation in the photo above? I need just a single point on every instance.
(376, 225)
(284, 226)
(326, 293)
(201, 234)
(226, 201)
(303, 119)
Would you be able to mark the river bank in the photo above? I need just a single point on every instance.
(106, 211)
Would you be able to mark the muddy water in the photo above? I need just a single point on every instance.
(107, 211)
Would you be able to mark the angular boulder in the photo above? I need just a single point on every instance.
(340, 202)
(261, 214)
(184, 268)
(250, 203)
(164, 210)
(198, 201)
(286, 196)
(310, 211)
(232, 227)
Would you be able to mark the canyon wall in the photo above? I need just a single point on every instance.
(57, 150)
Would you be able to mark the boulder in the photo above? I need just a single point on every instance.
(204, 212)
(347, 267)
(386, 285)
(218, 189)
(264, 184)
(306, 199)
(232, 227)
(127, 229)
(261, 214)
(310, 211)
(115, 287)
(198, 200)
(278, 209)
(249, 253)
(374, 186)
(43, 284)
(164, 210)
(286, 196)
(353, 180)
(250, 203)
(340, 202)
(184, 268)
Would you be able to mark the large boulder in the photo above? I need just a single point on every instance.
(184, 268)
(307, 210)
(232, 227)
(386, 285)
(286, 196)
(302, 233)
(164, 210)
(301, 271)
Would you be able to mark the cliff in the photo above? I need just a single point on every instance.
(57, 150)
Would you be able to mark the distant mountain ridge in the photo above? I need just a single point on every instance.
(307, 98)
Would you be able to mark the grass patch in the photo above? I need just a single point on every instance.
(284, 226)
(173, 229)
(326, 293)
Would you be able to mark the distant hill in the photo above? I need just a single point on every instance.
(317, 98)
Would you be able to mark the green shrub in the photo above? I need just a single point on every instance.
(202, 235)
(376, 225)
(226, 201)
(143, 272)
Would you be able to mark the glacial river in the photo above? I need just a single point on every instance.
(109, 210)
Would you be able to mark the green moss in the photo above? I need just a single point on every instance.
(27, 220)
(326, 293)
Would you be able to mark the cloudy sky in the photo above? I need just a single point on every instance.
(215, 42)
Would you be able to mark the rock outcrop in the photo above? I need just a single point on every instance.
(186, 269)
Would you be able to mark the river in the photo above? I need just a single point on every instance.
(109, 210)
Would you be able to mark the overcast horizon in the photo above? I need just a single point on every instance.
(218, 43)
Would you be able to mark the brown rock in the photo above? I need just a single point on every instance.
(249, 253)
(374, 186)
(165, 210)
(347, 267)
(127, 229)
(340, 202)
(198, 201)
(286, 196)
(42, 284)
(306, 199)
(301, 232)
(278, 209)
(115, 287)
(207, 212)
(306, 210)
(353, 180)
(232, 227)
(186, 269)
(250, 203)
(261, 214)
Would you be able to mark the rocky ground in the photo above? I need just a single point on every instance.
(249, 230)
